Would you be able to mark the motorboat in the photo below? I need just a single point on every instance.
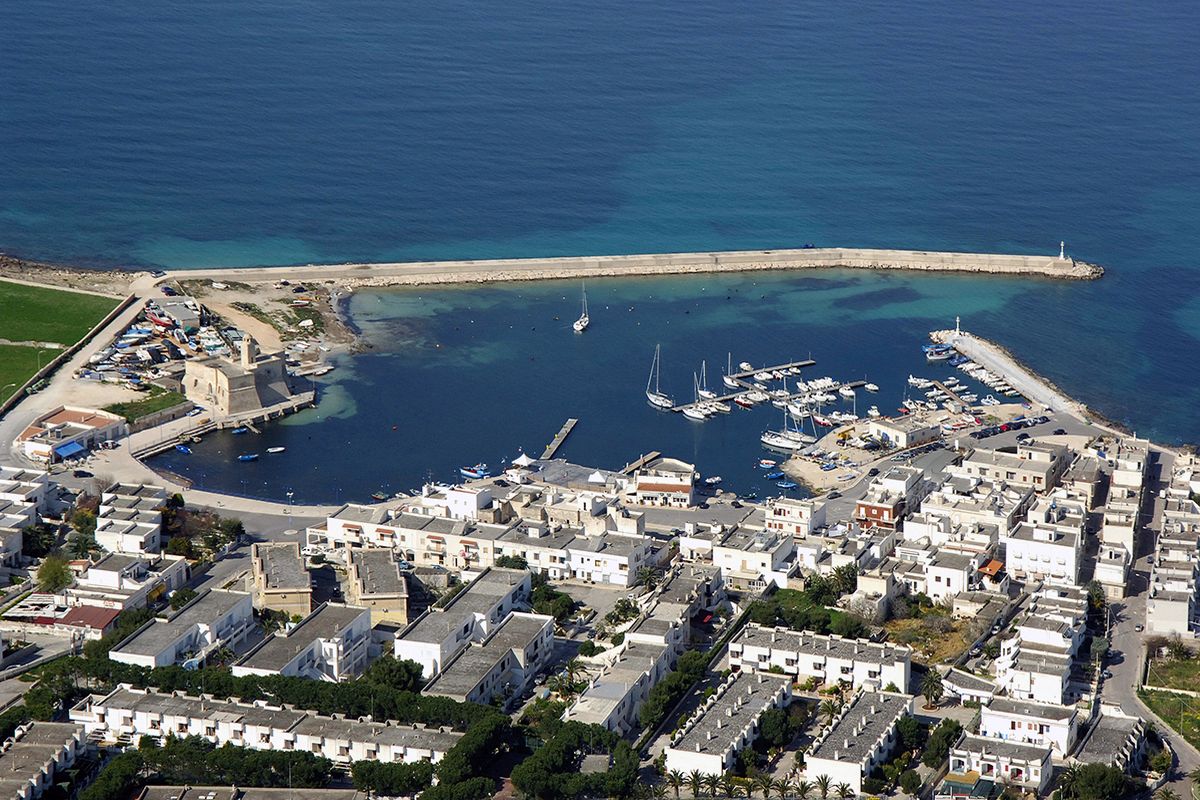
(240, 430)
(274, 450)
(786, 484)
(846, 391)
(870, 387)
(767, 463)
(774, 476)
(248, 457)
(714, 480)
(746, 366)
(743, 401)
(873, 412)
(183, 448)
(477, 471)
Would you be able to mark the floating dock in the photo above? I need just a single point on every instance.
(559, 438)
(747, 386)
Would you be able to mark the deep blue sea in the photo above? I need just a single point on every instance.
(293, 131)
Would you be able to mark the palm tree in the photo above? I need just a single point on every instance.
(729, 785)
(824, 782)
(658, 791)
(675, 778)
(573, 669)
(844, 791)
(1066, 783)
(931, 687)
(803, 789)
(766, 785)
(784, 787)
(713, 784)
(830, 710)
(695, 780)
(1166, 794)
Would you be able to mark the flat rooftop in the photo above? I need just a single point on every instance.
(163, 633)
(480, 596)
(378, 572)
(1022, 708)
(856, 732)
(719, 729)
(987, 745)
(755, 635)
(281, 565)
(277, 651)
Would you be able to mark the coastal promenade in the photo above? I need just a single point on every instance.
(524, 269)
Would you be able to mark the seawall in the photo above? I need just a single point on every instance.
(520, 269)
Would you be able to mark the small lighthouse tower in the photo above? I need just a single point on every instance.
(957, 327)
(1062, 251)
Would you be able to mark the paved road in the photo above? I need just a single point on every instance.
(1121, 688)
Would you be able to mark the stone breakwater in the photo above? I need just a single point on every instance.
(523, 269)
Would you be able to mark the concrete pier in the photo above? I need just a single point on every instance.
(559, 439)
(522, 269)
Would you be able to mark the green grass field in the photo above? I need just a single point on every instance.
(1179, 711)
(155, 399)
(38, 314)
(18, 364)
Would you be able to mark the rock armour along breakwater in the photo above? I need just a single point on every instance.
(522, 269)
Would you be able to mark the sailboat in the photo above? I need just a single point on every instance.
(728, 378)
(655, 396)
(582, 323)
(703, 390)
(696, 410)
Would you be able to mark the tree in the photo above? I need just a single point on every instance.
(713, 784)
(84, 521)
(53, 575)
(1166, 794)
(1095, 592)
(910, 782)
(785, 787)
(675, 778)
(845, 578)
(931, 687)
(803, 789)
(773, 727)
(181, 597)
(512, 562)
(647, 577)
(394, 673)
(824, 784)
(765, 784)
(941, 740)
(830, 710)
(911, 734)
(845, 792)
(695, 781)
(729, 784)
(1097, 782)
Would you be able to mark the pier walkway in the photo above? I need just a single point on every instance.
(747, 386)
(559, 439)
(634, 466)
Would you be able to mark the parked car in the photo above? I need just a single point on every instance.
(1139, 627)
(1060, 432)
(158, 273)
(81, 473)
(169, 292)
(1107, 674)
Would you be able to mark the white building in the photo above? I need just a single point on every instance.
(1035, 465)
(754, 559)
(614, 698)
(862, 737)
(130, 519)
(329, 644)
(438, 635)
(502, 665)
(212, 620)
(128, 714)
(904, 432)
(119, 582)
(32, 759)
(1042, 724)
(832, 659)
(796, 518)
(1024, 765)
(1048, 552)
(726, 723)
(67, 432)
(665, 482)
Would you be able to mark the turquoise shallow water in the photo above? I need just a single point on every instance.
(292, 131)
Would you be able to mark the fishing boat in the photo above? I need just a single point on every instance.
(248, 457)
(767, 463)
(239, 431)
(655, 396)
(582, 323)
(477, 471)
(870, 387)
(274, 450)
(786, 484)
(773, 476)
(939, 353)
(183, 448)
(750, 496)
(379, 496)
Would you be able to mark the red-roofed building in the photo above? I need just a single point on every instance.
(92, 621)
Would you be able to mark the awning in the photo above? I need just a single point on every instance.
(69, 449)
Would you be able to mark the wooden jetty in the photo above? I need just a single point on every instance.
(559, 438)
